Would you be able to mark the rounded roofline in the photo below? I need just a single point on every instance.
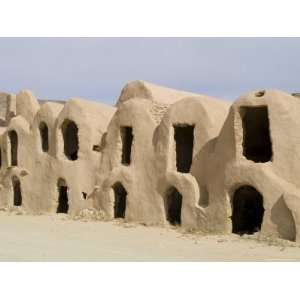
(151, 92)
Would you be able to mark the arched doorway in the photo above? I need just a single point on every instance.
(71, 141)
(63, 201)
(120, 200)
(13, 139)
(173, 204)
(17, 194)
(247, 210)
(44, 136)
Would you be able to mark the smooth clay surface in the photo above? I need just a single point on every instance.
(159, 157)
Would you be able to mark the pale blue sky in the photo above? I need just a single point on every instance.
(97, 68)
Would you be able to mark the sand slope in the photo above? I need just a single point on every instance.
(57, 238)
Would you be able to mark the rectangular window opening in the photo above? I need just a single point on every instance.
(184, 139)
(127, 138)
(257, 145)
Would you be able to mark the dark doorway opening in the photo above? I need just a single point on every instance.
(127, 138)
(257, 145)
(17, 193)
(247, 210)
(63, 201)
(184, 138)
(71, 141)
(173, 204)
(120, 200)
(13, 138)
(44, 136)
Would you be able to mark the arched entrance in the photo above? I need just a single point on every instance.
(71, 141)
(13, 138)
(63, 201)
(17, 194)
(120, 200)
(247, 210)
(173, 204)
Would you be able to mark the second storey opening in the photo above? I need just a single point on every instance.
(70, 138)
(13, 139)
(17, 193)
(44, 134)
(184, 139)
(63, 200)
(257, 145)
(120, 200)
(127, 138)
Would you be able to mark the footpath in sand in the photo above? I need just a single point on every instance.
(58, 238)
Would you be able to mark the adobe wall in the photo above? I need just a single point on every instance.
(138, 175)
(275, 179)
(207, 116)
(39, 171)
(159, 157)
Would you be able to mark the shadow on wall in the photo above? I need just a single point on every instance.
(283, 218)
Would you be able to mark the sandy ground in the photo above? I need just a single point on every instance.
(58, 238)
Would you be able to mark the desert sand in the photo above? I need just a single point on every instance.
(59, 238)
